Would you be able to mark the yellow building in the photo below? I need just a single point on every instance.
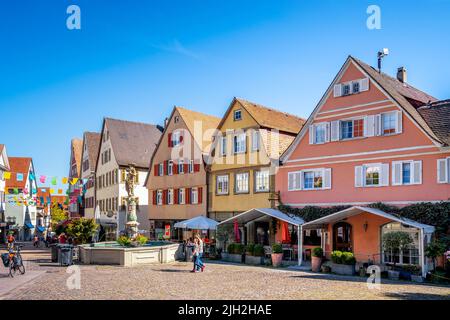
(245, 157)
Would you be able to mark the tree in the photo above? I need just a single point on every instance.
(434, 250)
(395, 241)
(82, 230)
(57, 214)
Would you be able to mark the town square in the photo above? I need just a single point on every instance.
(187, 151)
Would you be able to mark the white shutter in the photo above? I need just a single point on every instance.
(442, 171)
(396, 173)
(358, 176)
(378, 125)
(327, 132)
(291, 181)
(384, 181)
(337, 90)
(369, 126)
(364, 84)
(311, 134)
(399, 127)
(335, 130)
(300, 180)
(327, 178)
(416, 172)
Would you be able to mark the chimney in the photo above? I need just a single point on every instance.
(166, 122)
(401, 75)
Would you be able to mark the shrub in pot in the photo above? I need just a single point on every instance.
(316, 259)
(249, 249)
(258, 250)
(414, 272)
(277, 254)
(343, 262)
(254, 254)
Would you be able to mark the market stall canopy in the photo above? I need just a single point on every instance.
(197, 223)
(255, 214)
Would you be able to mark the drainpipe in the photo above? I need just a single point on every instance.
(300, 244)
(422, 253)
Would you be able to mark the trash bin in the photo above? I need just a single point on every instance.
(188, 253)
(65, 255)
(54, 248)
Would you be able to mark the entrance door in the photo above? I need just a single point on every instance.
(342, 237)
(261, 233)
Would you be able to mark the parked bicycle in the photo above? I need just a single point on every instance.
(13, 260)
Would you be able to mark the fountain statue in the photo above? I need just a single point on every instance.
(132, 224)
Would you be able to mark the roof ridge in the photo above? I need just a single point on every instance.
(269, 108)
(194, 111)
(129, 121)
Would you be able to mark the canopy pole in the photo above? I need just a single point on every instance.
(300, 244)
(422, 252)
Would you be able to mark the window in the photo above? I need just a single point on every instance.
(372, 175)
(170, 168)
(262, 181)
(194, 196)
(222, 184)
(241, 182)
(313, 179)
(388, 123)
(176, 138)
(191, 166)
(256, 139)
(237, 115)
(355, 87)
(176, 119)
(406, 172)
(239, 143)
(345, 89)
(170, 196)
(159, 197)
(223, 146)
(160, 169)
(181, 166)
(352, 128)
(181, 196)
(320, 133)
(408, 255)
(294, 181)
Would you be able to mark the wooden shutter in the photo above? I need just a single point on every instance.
(169, 140)
(154, 197)
(335, 126)
(378, 125)
(359, 176)
(196, 167)
(187, 195)
(369, 126)
(442, 171)
(123, 177)
(399, 126)
(175, 196)
(337, 90)
(384, 179)
(416, 172)
(166, 167)
(164, 197)
(199, 194)
(364, 84)
(397, 173)
(327, 178)
(175, 168)
(311, 134)
(186, 168)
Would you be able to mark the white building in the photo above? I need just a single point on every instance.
(91, 143)
(20, 211)
(123, 143)
(75, 206)
(4, 167)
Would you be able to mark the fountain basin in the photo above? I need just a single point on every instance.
(111, 253)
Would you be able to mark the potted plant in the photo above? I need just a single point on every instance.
(316, 259)
(277, 254)
(414, 272)
(343, 263)
(235, 252)
(254, 254)
(435, 250)
(394, 242)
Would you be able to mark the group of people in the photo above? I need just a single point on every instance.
(197, 253)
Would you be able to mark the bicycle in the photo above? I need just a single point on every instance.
(15, 262)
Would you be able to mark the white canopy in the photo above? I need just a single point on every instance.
(197, 223)
(254, 214)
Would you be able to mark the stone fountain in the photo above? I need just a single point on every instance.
(132, 224)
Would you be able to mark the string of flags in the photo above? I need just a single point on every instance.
(43, 179)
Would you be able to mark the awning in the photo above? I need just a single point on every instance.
(29, 225)
(197, 223)
(332, 218)
(254, 214)
(40, 228)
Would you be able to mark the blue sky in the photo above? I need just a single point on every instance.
(135, 60)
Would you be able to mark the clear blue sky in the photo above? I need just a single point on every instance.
(135, 59)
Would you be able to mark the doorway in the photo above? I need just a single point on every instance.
(342, 237)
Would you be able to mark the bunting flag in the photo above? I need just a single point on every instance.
(60, 191)
(25, 190)
(42, 179)
(74, 181)
(34, 191)
(7, 175)
(16, 191)
(64, 180)
(80, 199)
(32, 177)
(52, 191)
(54, 182)
(6, 191)
(42, 199)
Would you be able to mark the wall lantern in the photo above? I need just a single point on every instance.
(365, 226)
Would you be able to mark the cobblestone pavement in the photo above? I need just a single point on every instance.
(219, 281)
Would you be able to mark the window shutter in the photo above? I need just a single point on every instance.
(154, 197)
(335, 126)
(416, 172)
(181, 137)
(399, 127)
(175, 168)
(175, 196)
(396, 173)
(185, 167)
(291, 178)
(196, 167)
(166, 167)
(327, 178)
(327, 132)
(442, 171)
(169, 140)
(337, 90)
(364, 84)
(299, 180)
(378, 125)
(200, 194)
(311, 134)
(187, 195)
(164, 197)
(359, 176)
(384, 181)
(156, 167)
(369, 126)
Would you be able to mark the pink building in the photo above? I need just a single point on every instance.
(372, 138)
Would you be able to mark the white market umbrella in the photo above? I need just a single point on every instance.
(197, 223)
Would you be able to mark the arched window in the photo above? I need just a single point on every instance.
(342, 237)
(408, 255)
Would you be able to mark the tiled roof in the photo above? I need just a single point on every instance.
(92, 140)
(437, 115)
(77, 149)
(5, 167)
(208, 123)
(132, 142)
(18, 165)
(271, 118)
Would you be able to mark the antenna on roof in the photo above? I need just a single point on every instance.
(381, 55)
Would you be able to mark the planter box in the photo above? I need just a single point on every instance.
(393, 275)
(254, 260)
(415, 278)
(236, 258)
(343, 269)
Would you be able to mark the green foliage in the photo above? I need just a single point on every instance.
(336, 257)
(348, 258)
(230, 248)
(57, 215)
(412, 268)
(250, 249)
(435, 249)
(310, 213)
(239, 248)
(277, 248)
(396, 240)
(82, 230)
(142, 240)
(317, 252)
(258, 250)
(124, 241)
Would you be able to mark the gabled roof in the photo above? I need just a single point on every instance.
(3, 152)
(267, 117)
(132, 142)
(18, 165)
(208, 124)
(92, 141)
(437, 115)
(76, 146)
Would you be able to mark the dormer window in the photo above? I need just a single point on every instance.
(346, 89)
(351, 87)
(355, 87)
(237, 115)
